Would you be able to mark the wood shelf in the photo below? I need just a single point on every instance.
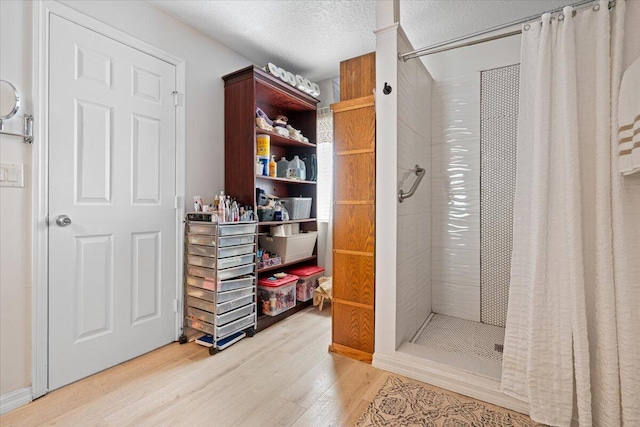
(287, 180)
(291, 221)
(265, 321)
(286, 264)
(283, 141)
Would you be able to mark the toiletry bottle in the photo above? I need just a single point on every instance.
(296, 169)
(273, 167)
(221, 213)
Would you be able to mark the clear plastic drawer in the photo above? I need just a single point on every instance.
(230, 273)
(205, 273)
(232, 327)
(201, 283)
(201, 228)
(223, 319)
(201, 293)
(233, 295)
(240, 282)
(209, 251)
(201, 239)
(223, 242)
(201, 304)
(200, 325)
(234, 230)
(233, 304)
(236, 250)
(205, 316)
(234, 261)
(201, 261)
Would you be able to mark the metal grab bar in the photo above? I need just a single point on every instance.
(27, 136)
(420, 173)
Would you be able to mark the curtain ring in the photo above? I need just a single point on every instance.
(596, 7)
(527, 27)
(560, 18)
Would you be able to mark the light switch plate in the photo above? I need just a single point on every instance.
(11, 175)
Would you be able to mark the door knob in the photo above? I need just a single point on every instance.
(63, 220)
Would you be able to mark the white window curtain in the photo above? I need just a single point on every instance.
(574, 294)
(325, 189)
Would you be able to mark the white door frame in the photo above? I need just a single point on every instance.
(40, 173)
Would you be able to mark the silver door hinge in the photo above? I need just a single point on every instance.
(176, 98)
(176, 202)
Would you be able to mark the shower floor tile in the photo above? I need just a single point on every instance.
(462, 338)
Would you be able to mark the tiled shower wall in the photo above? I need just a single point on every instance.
(455, 205)
(414, 214)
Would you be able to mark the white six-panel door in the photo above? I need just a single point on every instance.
(112, 172)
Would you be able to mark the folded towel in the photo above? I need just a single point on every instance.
(629, 120)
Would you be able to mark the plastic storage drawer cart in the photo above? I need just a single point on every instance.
(220, 280)
(307, 281)
(277, 295)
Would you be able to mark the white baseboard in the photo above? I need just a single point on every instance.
(449, 378)
(15, 399)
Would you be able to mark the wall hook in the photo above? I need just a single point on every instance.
(387, 89)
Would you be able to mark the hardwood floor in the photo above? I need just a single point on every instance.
(283, 376)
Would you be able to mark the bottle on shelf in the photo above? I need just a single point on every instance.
(283, 165)
(273, 166)
(221, 211)
(296, 169)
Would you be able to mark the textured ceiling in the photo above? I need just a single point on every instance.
(312, 37)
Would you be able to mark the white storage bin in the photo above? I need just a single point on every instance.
(235, 261)
(201, 239)
(203, 228)
(240, 282)
(233, 230)
(290, 248)
(298, 207)
(235, 303)
(201, 304)
(196, 313)
(223, 319)
(232, 327)
(209, 251)
(201, 261)
(230, 273)
(223, 242)
(236, 250)
(235, 294)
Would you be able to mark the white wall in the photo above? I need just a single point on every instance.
(413, 286)
(15, 205)
(456, 172)
(206, 62)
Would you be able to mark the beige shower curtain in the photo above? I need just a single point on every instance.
(575, 291)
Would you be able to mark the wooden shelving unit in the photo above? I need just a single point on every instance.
(245, 90)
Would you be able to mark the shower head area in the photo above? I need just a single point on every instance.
(454, 239)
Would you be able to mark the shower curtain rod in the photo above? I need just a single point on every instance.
(444, 46)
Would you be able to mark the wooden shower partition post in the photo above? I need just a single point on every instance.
(354, 210)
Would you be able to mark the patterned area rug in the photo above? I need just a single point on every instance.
(406, 403)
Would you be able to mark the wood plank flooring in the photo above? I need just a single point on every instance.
(281, 377)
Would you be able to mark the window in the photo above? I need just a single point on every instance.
(325, 164)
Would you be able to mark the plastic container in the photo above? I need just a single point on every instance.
(263, 143)
(235, 294)
(230, 316)
(230, 273)
(208, 251)
(265, 215)
(200, 239)
(234, 261)
(236, 250)
(237, 283)
(200, 325)
(232, 327)
(290, 248)
(201, 261)
(200, 293)
(224, 242)
(205, 273)
(203, 228)
(277, 296)
(307, 282)
(296, 169)
(298, 207)
(233, 230)
(234, 303)
(281, 167)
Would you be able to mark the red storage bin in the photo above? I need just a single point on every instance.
(277, 295)
(307, 282)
